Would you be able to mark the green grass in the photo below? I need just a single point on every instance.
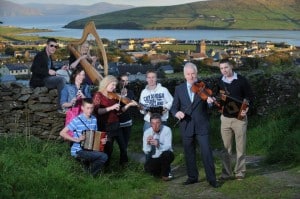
(203, 15)
(33, 168)
(44, 169)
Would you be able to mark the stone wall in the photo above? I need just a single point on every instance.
(30, 111)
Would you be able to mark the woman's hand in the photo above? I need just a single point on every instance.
(80, 94)
(114, 107)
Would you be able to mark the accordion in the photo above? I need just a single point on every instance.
(92, 140)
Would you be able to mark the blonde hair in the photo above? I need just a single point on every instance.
(80, 46)
(105, 81)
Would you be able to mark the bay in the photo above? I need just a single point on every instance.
(56, 23)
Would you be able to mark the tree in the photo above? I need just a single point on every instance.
(177, 62)
(9, 50)
(126, 59)
(145, 59)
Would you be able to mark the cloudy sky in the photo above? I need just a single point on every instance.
(128, 2)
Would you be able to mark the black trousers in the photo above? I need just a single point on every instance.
(160, 166)
(108, 149)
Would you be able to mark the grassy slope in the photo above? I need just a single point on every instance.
(256, 14)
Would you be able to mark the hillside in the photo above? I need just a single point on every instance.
(214, 14)
(10, 9)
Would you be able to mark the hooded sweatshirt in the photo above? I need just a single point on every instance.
(160, 96)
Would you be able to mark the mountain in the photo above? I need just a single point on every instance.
(214, 14)
(95, 9)
(8, 8)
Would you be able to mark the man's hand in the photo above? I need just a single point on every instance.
(179, 115)
(52, 72)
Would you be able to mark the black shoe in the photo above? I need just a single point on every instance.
(214, 184)
(223, 179)
(189, 181)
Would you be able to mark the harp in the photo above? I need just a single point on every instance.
(91, 72)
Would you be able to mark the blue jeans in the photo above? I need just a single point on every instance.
(55, 82)
(95, 159)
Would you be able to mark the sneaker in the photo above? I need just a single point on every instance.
(239, 177)
(224, 178)
(170, 176)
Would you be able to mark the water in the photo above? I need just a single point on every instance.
(56, 23)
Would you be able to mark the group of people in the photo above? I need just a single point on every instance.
(105, 111)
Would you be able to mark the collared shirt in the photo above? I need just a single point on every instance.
(78, 127)
(226, 80)
(190, 92)
(164, 137)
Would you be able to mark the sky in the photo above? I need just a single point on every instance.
(137, 3)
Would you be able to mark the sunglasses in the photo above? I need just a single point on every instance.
(55, 46)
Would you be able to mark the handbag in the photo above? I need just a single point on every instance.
(70, 115)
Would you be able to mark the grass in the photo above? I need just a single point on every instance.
(33, 168)
(202, 15)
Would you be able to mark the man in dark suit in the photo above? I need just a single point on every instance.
(194, 127)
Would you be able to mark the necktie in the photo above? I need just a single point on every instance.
(153, 150)
(191, 94)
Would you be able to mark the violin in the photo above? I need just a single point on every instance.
(124, 100)
(204, 92)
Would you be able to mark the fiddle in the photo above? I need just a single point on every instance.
(204, 92)
(124, 100)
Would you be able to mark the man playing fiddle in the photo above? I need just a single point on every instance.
(236, 88)
(191, 110)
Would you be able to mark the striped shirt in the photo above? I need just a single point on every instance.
(78, 126)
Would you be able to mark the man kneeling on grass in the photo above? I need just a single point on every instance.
(157, 145)
(94, 160)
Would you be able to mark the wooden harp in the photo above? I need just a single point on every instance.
(91, 72)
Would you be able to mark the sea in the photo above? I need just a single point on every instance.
(57, 22)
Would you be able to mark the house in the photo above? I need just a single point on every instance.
(17, 69)
(168, 69)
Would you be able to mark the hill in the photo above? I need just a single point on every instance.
(8, 8)
(214, 14)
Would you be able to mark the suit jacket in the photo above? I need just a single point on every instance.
(196, 120)
(40, 69)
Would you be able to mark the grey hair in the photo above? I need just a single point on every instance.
(190, 65)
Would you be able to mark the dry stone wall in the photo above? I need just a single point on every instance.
(30, 111)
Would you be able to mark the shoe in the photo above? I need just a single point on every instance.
(189, 181)
(214, 184)
(170, 176)
(166, 178)
(239, 177)
(224, 178)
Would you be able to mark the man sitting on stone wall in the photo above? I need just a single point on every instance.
(43, 71)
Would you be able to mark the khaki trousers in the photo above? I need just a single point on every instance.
(238, 128)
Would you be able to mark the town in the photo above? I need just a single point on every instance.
(136, 56)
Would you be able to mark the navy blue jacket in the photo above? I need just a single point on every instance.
(196, 120)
